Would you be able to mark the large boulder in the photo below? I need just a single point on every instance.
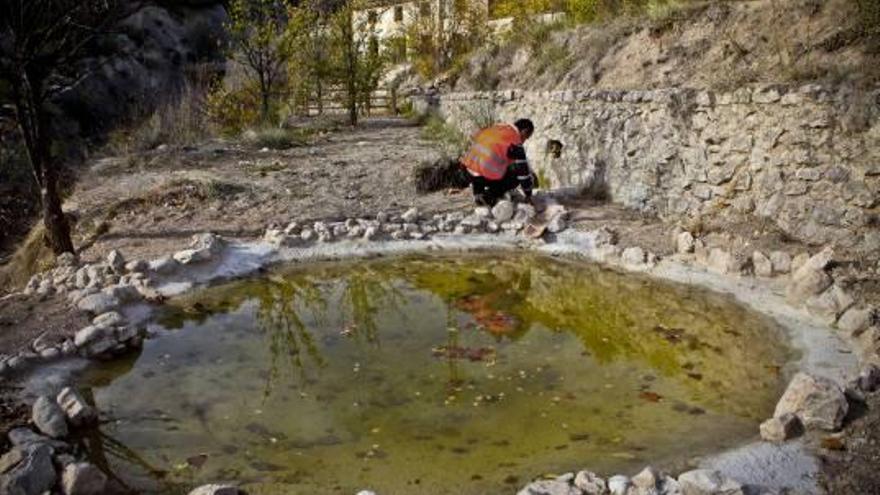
(30, 473)
(817, 401)
(49, 417)
(83, 478)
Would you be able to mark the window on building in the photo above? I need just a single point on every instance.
(373, 17)
(425, 8)
(398, 13)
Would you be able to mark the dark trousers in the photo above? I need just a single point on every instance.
(490, 191)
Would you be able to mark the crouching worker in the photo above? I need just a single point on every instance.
(496, 162)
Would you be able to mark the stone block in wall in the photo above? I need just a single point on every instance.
(767, 94)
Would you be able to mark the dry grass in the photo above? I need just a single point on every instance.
(32, 256)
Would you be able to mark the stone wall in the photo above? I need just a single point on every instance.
(806, 158)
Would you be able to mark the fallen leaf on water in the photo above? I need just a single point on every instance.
(196, 461)
(650, 396)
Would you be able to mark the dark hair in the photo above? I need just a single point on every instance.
(525, 125)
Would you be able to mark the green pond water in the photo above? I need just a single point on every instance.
(439, 375)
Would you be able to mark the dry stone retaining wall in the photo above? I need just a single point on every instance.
(806, 158)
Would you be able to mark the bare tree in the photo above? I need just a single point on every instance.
(42, 43)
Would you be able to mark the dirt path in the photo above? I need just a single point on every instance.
(157, 201)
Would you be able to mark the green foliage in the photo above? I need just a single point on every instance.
(260, 45)
(233, 110)
(439, 43)
(453, 141)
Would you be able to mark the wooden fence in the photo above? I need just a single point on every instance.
(381, 101)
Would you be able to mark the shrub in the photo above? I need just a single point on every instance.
(277, 138)
(233, 110)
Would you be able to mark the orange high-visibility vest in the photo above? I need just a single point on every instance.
(487, 156)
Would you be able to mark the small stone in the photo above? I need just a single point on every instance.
(473, 221)
(618, 485)
(370, 233)
(524, 213)
(633, 256)
(217, 490)
(781, 261)
(503, 211)
(307, 235)
(89, 334)
(647, 479)
(869, 378)
(50, 353)
(293, 228)
(724, 262)
(708, 482)
(483, 212)
(855, 320)
(137, 266)
(411, 215)
(98, 303)
(116, 261)
(817, 401)
(830, 304)
(78, 412)
(164, 266)
(108, 319)
(549, 487)
(684, 243)
(49, 418)
(83, 478)
(763, 265)
(189, 256)
(781, 428)
(492, 227)
(806, 283)
(557, 223)
(590, 483)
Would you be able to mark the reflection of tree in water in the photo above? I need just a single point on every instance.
(106, 453)
(288, 306)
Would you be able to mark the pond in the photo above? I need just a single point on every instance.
(442, 375)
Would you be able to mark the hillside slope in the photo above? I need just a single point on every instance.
(718, 45)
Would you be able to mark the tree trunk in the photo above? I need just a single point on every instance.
(57, 228)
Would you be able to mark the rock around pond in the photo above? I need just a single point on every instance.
(433, 374)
